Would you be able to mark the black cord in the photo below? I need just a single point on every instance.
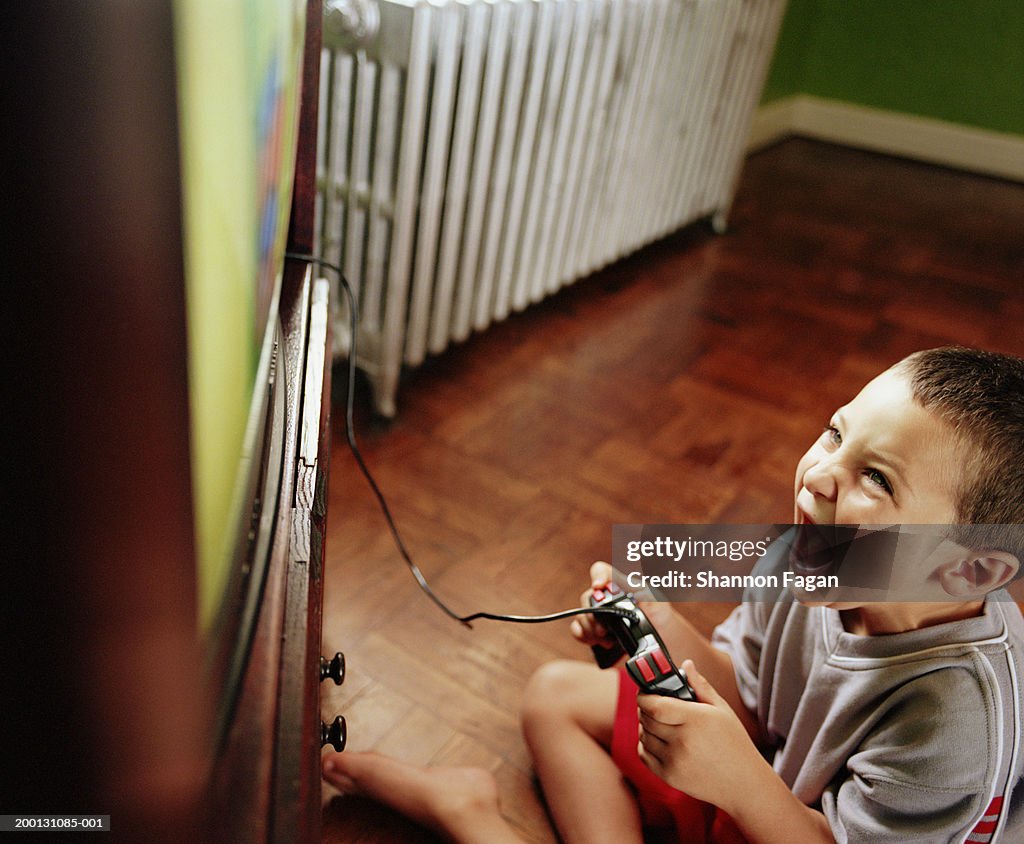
(539, 619)
(350, 436)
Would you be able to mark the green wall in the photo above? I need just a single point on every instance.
(956, 60)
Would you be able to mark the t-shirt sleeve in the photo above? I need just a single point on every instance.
(866, 810)
(741, 636)
(924, 773)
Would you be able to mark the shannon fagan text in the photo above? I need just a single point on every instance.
(710, 580)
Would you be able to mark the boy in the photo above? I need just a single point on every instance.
(843, 721)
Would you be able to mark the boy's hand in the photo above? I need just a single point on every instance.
(586, 628)
(700, 748)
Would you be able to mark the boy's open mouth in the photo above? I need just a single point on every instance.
(816, 549)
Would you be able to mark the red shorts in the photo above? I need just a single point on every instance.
(661, 806)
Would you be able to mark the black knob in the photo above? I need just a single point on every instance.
(335, 734)
(335, 669)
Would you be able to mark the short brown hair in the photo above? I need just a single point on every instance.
(981, 396)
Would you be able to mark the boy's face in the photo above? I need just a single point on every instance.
(882, 460)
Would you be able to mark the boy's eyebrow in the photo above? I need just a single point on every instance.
(894, 465)
(889, 462)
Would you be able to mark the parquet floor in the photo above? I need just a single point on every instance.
(680, 385)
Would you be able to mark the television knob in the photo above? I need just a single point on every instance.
(335, 734)
(335, 669)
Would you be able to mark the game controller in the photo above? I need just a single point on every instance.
(648, 663)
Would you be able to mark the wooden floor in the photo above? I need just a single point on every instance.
(680, 385)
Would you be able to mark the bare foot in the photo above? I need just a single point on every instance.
(459, 803)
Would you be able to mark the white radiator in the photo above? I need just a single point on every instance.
(477, 156)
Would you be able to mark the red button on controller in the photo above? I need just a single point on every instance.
(645, 669)
(662, 662)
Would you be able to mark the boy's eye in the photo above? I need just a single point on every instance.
(832, 435)
(878, 479)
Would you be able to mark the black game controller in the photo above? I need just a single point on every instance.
(648, 661)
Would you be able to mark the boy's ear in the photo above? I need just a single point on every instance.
(977, 573)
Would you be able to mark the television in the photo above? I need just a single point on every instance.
(239, 72)
(170, 422)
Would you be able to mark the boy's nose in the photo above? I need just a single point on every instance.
(820, 480)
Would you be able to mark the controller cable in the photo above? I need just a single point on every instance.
(354, 448)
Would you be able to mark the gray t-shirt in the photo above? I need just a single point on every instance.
(909, 737)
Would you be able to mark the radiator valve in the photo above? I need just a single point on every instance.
(351, 24)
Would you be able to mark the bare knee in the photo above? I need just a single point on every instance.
(569, 694)
(545, 693)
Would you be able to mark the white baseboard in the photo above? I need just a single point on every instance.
(907, 135)
(773, 122)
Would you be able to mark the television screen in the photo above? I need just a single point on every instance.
(239, 72)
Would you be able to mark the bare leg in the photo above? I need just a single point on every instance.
(459, 803)
(568, 714)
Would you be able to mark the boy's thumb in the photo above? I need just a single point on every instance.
(699, 683)
(600, 574)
